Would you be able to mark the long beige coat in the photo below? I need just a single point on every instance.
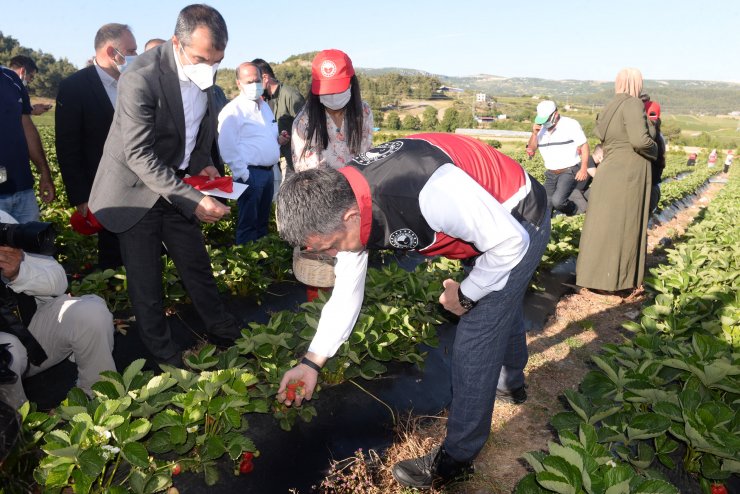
(613, 242)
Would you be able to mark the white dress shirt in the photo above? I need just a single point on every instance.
(109, 83)
(194, 106)
(247, 135)
(451, 202)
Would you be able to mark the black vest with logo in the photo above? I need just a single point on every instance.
(398, 170)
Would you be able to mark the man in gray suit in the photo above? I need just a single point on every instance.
(164, 126)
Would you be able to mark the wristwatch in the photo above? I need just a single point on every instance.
(465, 302)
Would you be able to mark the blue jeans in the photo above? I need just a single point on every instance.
(21, 205)
(490, 351)
(558, 187)
(255, 205)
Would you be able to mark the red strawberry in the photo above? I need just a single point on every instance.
(290, 395)
(246, 466)
(247, 456)
(719, 489)
(176, 469)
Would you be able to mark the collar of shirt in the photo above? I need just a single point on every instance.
(107, 80)
(180, 73)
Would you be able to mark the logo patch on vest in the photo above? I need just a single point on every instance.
(404, 239)
(378, 153)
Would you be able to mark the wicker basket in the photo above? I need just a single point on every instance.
(313, 268)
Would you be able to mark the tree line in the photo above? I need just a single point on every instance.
(51, 71)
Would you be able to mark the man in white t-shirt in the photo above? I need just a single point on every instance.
(564, 148)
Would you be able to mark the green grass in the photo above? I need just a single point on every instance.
(45, 119)
(692, 125)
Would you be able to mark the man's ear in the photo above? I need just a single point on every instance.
(352, 214)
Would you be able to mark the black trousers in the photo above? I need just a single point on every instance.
(141, 248)
(109, 250)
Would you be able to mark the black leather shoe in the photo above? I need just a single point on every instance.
(516, 396)
(434, 469)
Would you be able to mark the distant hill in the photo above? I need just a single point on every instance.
(676, 96)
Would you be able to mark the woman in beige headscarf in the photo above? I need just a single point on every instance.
(613, 242)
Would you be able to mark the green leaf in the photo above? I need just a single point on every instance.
(647, 425)
(132, 371)
(555, 482)
(211, 473)
(160, 442)
(82, 482)
(213, 448)
(617, 480)
(566, 421)
(91, 461)
(178, 434)
(157, 483)
(655, 486)
(136, 454)
(166, 418)
(529, 485)
(732, 466)
(534, 458)
(561, 467)
(58, 476)
(568, 454)
(579, 404)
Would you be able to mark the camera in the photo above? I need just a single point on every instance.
(35, 236)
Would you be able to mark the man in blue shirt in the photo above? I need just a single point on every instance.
(20, 140)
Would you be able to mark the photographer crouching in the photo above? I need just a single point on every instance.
(41, 325)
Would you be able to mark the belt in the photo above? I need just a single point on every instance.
(563, 170)
(268, 167)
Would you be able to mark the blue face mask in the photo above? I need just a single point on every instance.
(127, 59)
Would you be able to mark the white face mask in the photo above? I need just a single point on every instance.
(336, 101)
(127, 59)
(201, 74)
(252, 91)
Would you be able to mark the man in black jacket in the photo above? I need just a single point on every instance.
(85, 105)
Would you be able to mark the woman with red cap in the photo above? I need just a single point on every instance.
(335, 124)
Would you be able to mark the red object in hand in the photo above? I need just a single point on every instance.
(719, 489)
(202, 182)
(86, 225)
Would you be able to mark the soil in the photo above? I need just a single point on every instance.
(559, 358)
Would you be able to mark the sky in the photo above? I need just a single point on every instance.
(566, 39)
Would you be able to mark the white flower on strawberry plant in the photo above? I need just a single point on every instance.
(611, 463)
(193, 428)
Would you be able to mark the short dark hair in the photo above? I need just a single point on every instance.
(22, 61)
(197, 15)
(110, 32)
(313, 202)
(264, 67)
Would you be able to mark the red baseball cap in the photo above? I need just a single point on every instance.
(652, 109)
(331, 72)
(86, 225)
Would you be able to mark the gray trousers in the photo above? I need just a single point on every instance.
(80, 327)
(490, 351)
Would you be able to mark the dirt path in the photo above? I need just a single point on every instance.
(559, 359)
